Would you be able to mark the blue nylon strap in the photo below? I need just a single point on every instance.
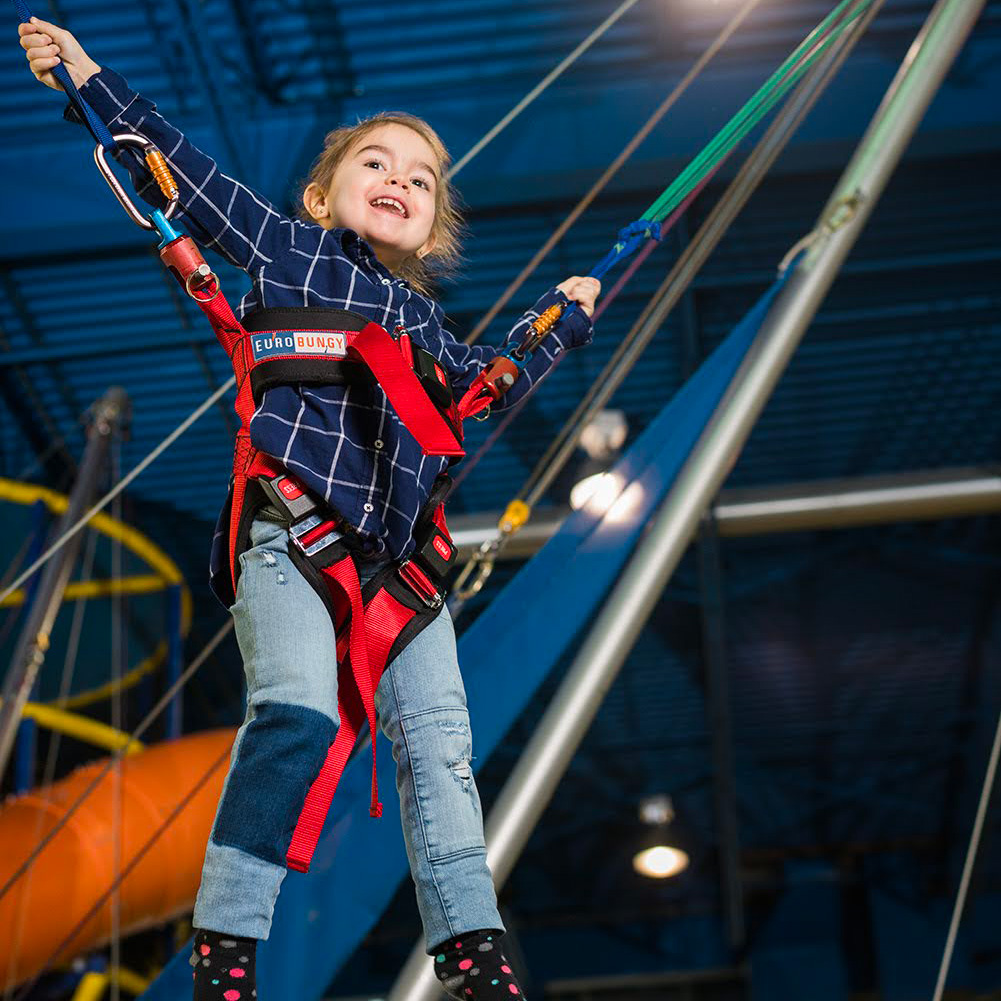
(631, 238)
(97, 128)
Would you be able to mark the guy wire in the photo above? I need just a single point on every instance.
(557, 71)
(971, 857)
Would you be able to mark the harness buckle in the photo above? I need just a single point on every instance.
(420, 583)
(313, 534)
(310, 532)
(288, 495)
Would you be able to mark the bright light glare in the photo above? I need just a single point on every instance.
(597, 492)
(660, 862)
(627, 505)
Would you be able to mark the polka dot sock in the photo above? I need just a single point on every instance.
(225, 967)
(472, 967)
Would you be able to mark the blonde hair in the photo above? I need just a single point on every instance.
(446, 230)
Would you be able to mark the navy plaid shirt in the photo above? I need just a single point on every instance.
(345, 443)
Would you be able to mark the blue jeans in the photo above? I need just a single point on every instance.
(287, 640)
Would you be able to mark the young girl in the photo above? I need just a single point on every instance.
(378, 221)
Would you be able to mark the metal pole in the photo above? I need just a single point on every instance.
(863, 500)
(717, 685)
(548, 753)
(872, 500)
(109, 412)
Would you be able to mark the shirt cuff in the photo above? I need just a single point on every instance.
(107, 93)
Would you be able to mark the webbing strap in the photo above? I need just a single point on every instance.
(385, 619)
(371, 634)
(97, 127)
(397, 380)
(344, 575)
(355, 705)
(476, 398)
(321, 792)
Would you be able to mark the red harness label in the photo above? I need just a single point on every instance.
(444, 549)
(325, 343)
(289, 488)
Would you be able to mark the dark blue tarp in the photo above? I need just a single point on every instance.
(322, 917)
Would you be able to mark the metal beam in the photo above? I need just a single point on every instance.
(551, 748)
(796, 507)
(875, 500)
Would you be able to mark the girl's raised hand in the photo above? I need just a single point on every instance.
(46, 45)
(583, 291)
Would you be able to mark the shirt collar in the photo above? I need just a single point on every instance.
(361, 253)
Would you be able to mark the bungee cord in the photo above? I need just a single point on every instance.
(615, 363)
(561, 447)
(792, 69)
(767, 96)
(612, 169)
(556, 72)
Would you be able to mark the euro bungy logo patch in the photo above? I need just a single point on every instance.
(331, 344)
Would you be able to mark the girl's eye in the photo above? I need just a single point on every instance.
(374, 163)
(420, 181)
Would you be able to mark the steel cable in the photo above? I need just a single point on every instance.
(556, 72)
(968, 863)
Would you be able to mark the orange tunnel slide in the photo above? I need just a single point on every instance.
(47, 903)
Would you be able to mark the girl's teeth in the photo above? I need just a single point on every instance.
(386, 203)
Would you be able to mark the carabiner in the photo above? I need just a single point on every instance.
(482, 561)
(158, 167)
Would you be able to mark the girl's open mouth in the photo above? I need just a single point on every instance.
(389, 204)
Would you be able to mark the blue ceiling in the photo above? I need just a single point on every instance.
(864, 665)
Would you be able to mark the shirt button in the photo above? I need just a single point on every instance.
(367, 508)
(387, 281)
(378, 443)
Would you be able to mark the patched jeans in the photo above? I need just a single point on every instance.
(289, 655)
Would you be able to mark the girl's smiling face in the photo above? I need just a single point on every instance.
(383, 189)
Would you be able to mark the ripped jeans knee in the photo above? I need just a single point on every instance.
(460, 756)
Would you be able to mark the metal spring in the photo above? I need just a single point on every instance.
(161, 173)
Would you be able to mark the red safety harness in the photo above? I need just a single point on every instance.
(373, 624)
